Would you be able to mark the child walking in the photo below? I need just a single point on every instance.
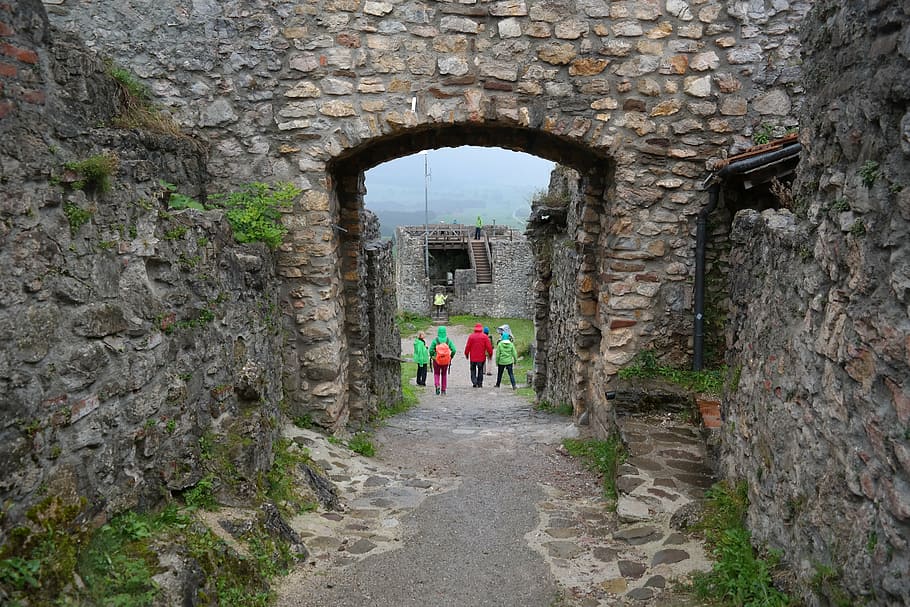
(422, 358)
(505, 358)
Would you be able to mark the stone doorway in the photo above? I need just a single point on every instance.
(368, 372)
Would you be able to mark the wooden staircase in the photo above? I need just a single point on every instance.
(482, 267)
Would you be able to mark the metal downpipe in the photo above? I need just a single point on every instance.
(701, 239)
(701, 236)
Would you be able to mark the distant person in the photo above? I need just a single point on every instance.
(506, 355)
(477, 227)
(439, 301)
(422, 358)
(502, 330)
(486, 331)
(478, 350)
(442, 352)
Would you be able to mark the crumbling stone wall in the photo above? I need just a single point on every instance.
(636, 96)
(132, 338)
(817, 410)
(551, 232)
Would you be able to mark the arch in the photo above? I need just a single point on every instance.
(346, 173)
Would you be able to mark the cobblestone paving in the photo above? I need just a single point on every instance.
(597, 555)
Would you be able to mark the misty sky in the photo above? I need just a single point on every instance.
(464, 182)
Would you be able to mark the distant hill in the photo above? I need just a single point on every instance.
(464, 182)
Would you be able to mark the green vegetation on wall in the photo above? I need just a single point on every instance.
(254, 210)
(645, 365)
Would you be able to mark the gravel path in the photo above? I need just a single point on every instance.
(472, 502)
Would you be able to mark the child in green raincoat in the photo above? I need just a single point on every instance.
(422, 358)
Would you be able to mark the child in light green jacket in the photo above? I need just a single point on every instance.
(506, 355)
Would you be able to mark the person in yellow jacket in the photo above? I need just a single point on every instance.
(439, 301)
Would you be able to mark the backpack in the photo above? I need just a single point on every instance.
(443, 354)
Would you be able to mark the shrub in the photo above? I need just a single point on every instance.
(202, 495)
(254, 211)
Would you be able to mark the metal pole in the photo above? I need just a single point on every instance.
(426, 214)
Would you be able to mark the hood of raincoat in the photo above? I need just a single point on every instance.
(504, 329)
(441, 333)
(486, 330)
(478, 328)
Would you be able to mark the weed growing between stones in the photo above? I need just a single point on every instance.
(138, 110)
(825, 582)
(254, 211)
(602, 456)
(646, 365)
(362, 443)
(94, 173)
(869, 172)
(76, 216)
(281, 481)
(738, 577)
(202, 494)
(58, 560)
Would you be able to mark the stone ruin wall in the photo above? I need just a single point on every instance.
(635, 95)
(508, 296)
(555, 303)
(410, 270)
(817, 409)
(127, 342)
(384, 339)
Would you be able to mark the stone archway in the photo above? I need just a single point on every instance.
(364, 361)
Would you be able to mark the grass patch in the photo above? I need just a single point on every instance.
(138, 111)
(602, 456)
(738, 577)
(409, 323)
(362, 443)
(646, 365)
(409, 396)
(556, 409)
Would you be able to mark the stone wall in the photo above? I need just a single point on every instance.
(507, 297)
(636, 96)
(817, 413)
(131, 337)
(412, 286)
(554, 221)
(385, 339)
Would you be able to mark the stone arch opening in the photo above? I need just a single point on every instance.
(371, 373)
